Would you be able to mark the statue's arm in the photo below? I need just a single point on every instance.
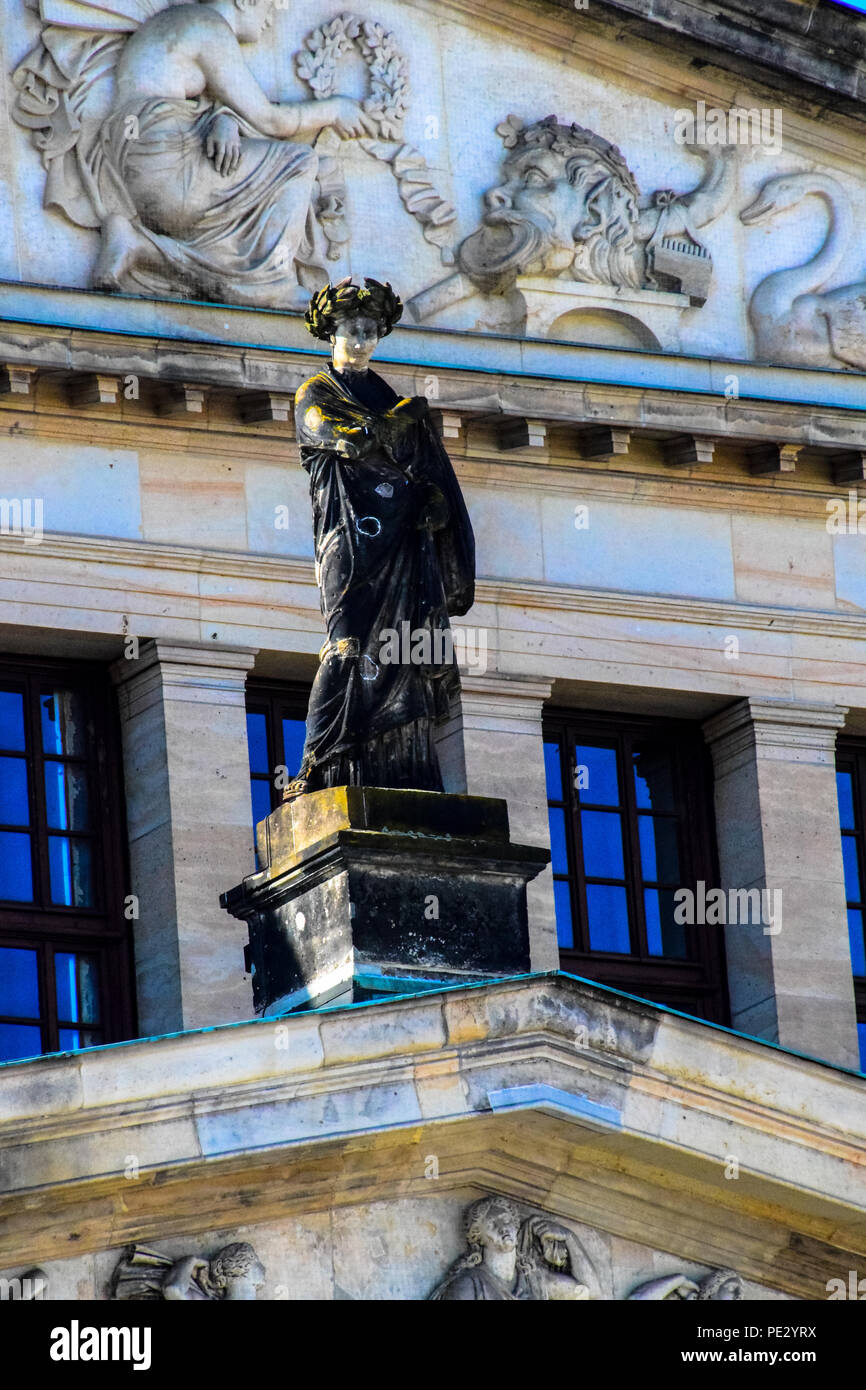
(176, 1286)
(669, 1286)
(230, 81)
(324, 423)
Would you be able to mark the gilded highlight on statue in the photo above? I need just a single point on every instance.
(394, 546)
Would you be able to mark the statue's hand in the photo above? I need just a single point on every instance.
(224, 145)
(348, 117)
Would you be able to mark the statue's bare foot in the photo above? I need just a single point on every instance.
(299, 786)
(122, 248)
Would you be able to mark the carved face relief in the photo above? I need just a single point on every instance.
(560, 211)
(497, 1225)
(243, 1287)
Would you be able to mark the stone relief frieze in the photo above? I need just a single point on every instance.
(567, 216)
(512, 1258)
(513, 1254)
(509, 1259)
(155, 133)
(795, 320)
(234, 1273)
(153, 130)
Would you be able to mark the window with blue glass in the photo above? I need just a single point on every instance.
(64, 957)
(275, 738)
(851, 789)
(630, 824)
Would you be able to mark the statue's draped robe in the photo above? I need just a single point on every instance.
(387, 584)
(472, 1284)
(228, 238)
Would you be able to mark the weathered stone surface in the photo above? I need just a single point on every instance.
(556, 1087)
(790, 977)
(184, 743)
(368, 882)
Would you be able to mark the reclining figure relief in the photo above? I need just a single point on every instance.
(153, 129)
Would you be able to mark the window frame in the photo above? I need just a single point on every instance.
(49, 928)
(853, 750)
(277, 700)
(698, 983)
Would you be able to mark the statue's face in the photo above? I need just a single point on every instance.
(536, 220)
(354, 342)
(242, 1287)
(501, 1228)
(537, 189)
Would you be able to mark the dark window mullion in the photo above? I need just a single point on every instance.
(48, 998)
(859, 801)
(565, 805)
(631, 837)
(574, 844)
(38, 836)
(695, 937)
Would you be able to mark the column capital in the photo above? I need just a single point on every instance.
(207, 672)
(783, 730)
(509, 703)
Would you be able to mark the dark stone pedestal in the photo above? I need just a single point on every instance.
(367, 891)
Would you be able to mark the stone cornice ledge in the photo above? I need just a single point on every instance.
(535, 1086)
(94, 551)
(72, 331)
(809, 46)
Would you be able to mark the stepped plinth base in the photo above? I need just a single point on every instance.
(368, 890)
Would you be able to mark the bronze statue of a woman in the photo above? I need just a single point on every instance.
(395, 557)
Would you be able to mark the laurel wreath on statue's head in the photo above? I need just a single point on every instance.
(332, 303)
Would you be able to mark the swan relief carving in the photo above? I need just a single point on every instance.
(793, 323)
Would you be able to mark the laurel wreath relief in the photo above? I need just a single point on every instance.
(317, 65)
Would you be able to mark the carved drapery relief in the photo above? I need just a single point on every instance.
(153, 129)
(234, 1273)
(794, 319)
(222, 195)
(568, 212)
(513, 1258)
